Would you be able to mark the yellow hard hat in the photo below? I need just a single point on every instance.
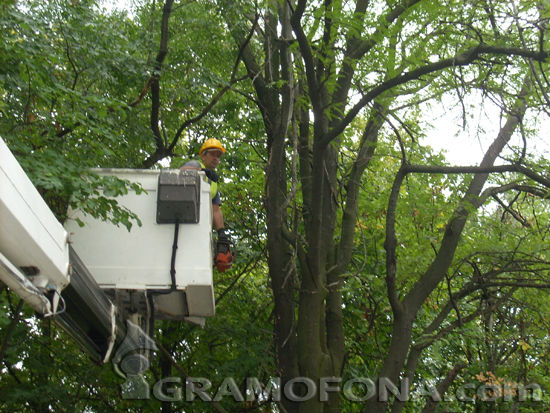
(211, 143)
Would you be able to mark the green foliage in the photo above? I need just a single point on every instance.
(64, 73)
(75, 95)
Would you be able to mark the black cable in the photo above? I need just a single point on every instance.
(173, 260)
(172, 263)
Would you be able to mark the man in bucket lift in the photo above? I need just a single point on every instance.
(210, 154)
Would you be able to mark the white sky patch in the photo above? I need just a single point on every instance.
(466, 145)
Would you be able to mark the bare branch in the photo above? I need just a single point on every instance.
(203, 113)
(391, 243)
(155, 79)
(432, 169)
(142, 94)
(465, 58)
(512, 213)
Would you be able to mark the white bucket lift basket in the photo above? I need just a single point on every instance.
(139, 260)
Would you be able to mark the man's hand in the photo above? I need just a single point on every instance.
(224, 257)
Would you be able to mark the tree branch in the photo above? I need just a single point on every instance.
(367, 147)
(143, 93)
(10, 329)
(450, 240)
(155, 82)
(357, 48)
(390, 243)
(233, 79)
(443, 386)
(434, 169)
(307, 56)
(463, 59)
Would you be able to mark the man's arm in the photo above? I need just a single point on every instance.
(192, 165)
(217, 217)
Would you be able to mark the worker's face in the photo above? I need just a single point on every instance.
(211, 158)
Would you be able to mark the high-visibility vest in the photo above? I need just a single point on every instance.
(213, 185)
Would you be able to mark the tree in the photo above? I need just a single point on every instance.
(378, 254)
(333, 61)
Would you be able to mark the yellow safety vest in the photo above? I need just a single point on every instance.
(213, 185)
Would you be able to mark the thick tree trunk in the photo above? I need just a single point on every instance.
(282, 283)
